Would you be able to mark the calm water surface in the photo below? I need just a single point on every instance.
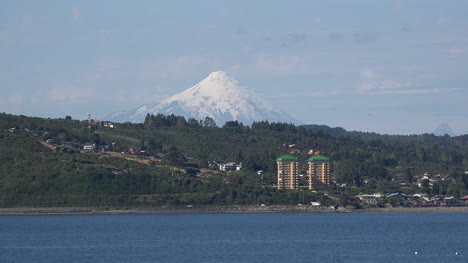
(236, 238)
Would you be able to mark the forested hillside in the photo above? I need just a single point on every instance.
(43, 162)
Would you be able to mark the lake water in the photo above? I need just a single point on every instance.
(354, 237)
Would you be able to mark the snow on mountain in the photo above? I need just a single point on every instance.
(218, 96)
(444, 129)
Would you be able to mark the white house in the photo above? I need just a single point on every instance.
(88, 146)
(230, 167)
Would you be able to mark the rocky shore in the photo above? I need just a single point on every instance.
(438, 209)
(169, 210)
(218, 210)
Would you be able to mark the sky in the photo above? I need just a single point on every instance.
(393, 67)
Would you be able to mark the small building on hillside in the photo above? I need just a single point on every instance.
(108, 124)
(294, 151)
(464, 198)
(398, 195)
(368, 199)
(230, 166)
(283, 147)
(136, 151)
(89, 146)
(16, 130)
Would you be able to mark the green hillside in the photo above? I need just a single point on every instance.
(43, 163)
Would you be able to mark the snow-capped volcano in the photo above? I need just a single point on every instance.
(218, 96)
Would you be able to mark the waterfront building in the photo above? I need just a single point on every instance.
(287, 172)
(319, 172)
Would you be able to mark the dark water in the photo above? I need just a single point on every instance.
(236, 238)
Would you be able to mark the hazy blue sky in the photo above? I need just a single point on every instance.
(395, 67)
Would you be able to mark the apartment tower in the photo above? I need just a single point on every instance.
(319, 172)
(287, 172)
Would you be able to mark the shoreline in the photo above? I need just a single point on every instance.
(436, 209)
(235, 209)
(217, 210)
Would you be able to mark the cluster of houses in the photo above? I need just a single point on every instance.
(431, 178)
(136, 151)
(292, 149)
(92, 123)
(97, 147)
(106, 148)
(422, 200)
(107, 124)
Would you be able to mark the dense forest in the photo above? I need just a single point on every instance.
(43, 162)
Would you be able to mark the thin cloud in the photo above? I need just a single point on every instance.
(295, 38)
(145, 96)
(373, 84)
(27, 21)
(178, 66)
(104, 36)
(399, 4)
(76, 15)
(307, 94)
(404, 29)
(70, 93)
(456, 51)
(108, 63)
(209, 28)
(442, 20)
(282, 65)
(365, 36)
(182, 64)
(4, 37)
(367, 74)
(335, 36)
(242, 31)
(15, 99)
(394, 87)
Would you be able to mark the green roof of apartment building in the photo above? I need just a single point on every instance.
(287, 158)
(318, 158)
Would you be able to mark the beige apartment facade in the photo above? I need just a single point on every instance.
(319, 172)
(288, 169)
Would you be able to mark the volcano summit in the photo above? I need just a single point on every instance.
(218, 96)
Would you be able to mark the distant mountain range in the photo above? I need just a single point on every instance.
(218, 96)
(444, 129)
